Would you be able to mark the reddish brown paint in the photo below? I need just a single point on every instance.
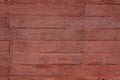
(59, 39)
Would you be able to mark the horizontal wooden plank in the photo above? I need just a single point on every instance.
(38, 78)
(57, 78)
(83, 78)
(27, 22)
(66, 46)
(66, 34)
(77, 72)
(47, 58)
(102, 22)
(110, 71)
(103, 34)
(44, 22)
(46, 34)
(104, 59)
(66, 2)
(103, 1)
(45, 10)
(61, 34)
(111, 78)
(4, 70)
(85, 72)
(45, 46)
(102, 47)
(56, 70)
(54, 78)
(40, 70)
(102, 10)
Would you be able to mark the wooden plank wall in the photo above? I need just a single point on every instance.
(59, 39)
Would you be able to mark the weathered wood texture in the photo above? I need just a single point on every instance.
(59, 39)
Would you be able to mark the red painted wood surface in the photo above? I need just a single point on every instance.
(59, 39)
